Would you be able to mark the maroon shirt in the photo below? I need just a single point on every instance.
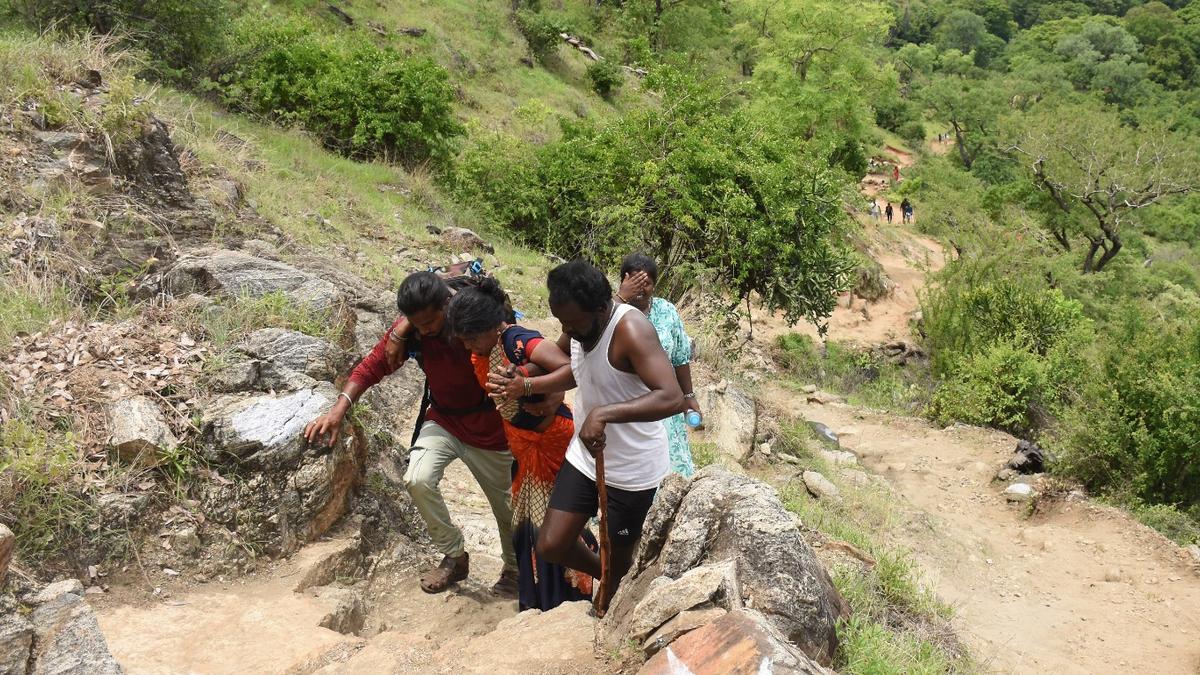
(452, 385)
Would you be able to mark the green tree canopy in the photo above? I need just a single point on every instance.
(699, 182)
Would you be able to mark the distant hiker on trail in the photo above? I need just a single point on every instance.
(874, 210)
(539, 429)
(626, 385)
(906, 211)
(895, 173)
(462, 423)
(888, 212)
(639, 275)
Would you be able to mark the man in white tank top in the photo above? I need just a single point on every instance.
(626, 386)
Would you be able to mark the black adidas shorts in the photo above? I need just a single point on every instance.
(627, 509)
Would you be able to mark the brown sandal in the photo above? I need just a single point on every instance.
(451, 570)
(507, 585)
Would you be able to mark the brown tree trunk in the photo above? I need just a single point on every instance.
(959, 140)
(1089, 261)
(1060, 236)
(1110, 252)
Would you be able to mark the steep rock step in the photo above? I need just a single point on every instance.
(258, 625)
(558, 642)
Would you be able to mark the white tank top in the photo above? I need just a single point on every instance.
(635, 453)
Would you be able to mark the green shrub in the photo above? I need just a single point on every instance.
(997, 387)
(1133, 431)
(698, 181)
(500, 175)
(1176, 525)
(1010, 354)
(607, 77)
(965, 316)
(541, 33)
(361, 100)
(181, 35)
(913, 132)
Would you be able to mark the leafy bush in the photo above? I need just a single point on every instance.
(1133, 432)
(541, 33)
(964, 317)
(1180, 527)
(913, 132)
(607, 77)
(996, 387)
(697, 182)
(181, 35)
(360, 100)
(1010, 354)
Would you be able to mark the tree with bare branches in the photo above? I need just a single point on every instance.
(1100, 172)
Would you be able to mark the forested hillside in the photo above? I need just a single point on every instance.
(724, 137)
(1048, 147)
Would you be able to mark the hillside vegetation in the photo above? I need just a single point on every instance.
(1055, 157)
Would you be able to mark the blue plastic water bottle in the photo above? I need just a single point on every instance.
(693, 419)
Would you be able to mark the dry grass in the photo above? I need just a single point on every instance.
(897, 624)
(44, 74)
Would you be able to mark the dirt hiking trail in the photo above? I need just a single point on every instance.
(1075, 588)
(271, 622)
(904, 257)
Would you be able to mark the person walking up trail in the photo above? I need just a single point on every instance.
(626, 386)
(639, 275)
(462, 423)
(888, 212)
(539, 429)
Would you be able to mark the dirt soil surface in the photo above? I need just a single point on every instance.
(1074, 588)
(261, 624)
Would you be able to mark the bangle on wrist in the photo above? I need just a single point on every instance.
(528, 387)
(623, 300)
(347, 397)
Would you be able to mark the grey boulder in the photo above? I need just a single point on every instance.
(236, 274)
(137, 431)
(67, 637)
(280, 350)
(722, 520)
(265, 431)
(730, 419)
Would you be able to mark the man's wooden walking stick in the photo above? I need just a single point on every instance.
(600, 603)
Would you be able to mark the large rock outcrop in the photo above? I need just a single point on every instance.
(730, 419)
(293, 490)
(236, 273)
(724, 540)
(295, 351)
(741, 641)
(58, 635)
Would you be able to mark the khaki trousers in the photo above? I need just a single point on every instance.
(434, 450)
